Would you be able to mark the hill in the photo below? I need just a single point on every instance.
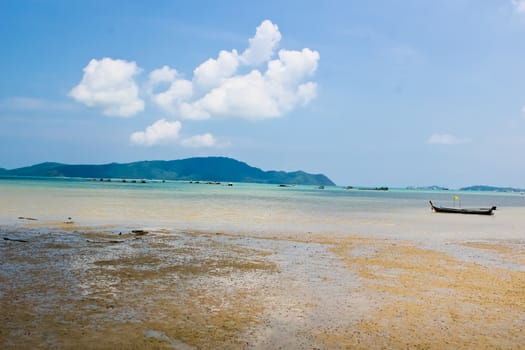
(197, 169)
(491, 189)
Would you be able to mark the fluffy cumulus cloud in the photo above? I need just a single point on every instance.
(162, 131)
(212, 73)
(177, 90)
(519, 6)
(162, 75)
(231, 85)
(257, 83)
(199, 141)
(109, 84)
(446, 139)
(167, 132)
(262, 45)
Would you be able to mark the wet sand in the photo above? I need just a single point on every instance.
(108, 288)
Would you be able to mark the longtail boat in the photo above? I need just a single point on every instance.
(478, 211)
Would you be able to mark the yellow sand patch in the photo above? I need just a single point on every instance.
(512, 251)
(427, 299)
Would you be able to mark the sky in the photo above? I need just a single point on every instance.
(369, 93)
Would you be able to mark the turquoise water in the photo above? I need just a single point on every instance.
(256, 208)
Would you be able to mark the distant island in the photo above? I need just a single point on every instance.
(483, 188)
(190, 169)
(477, 188)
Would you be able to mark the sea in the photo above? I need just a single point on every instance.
(258, 209)
(84, 261)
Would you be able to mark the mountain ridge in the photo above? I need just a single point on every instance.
(485, 188)
(197, 169)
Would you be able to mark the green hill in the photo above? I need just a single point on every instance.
(481, 188)
(197, 169)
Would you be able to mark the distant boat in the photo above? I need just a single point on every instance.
(479, 211)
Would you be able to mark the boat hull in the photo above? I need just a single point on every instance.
(474, 211)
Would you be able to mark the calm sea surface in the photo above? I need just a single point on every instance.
(259, 209)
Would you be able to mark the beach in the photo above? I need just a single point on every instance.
(262, 175)
(260, 268)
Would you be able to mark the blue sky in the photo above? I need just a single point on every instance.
(394, 93)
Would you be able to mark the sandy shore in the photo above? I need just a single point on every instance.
(108, 288)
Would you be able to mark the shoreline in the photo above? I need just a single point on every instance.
(68, 286)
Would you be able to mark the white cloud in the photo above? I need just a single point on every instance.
(262, 45)
(292, 66)
(171, 99)
(246, 96)
(199, 141)
(446, 139)
(519, 6)
(218, 89)
(162, 75)
(253, 85)
(192, 111)
(306, 92)
(108, 84)
(213, 72)
(162, 131)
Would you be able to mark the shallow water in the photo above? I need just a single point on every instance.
(258, 209)
(272, 267)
